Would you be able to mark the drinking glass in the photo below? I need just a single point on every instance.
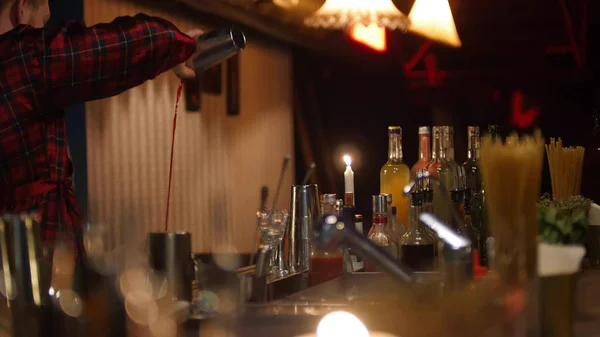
(272, 226)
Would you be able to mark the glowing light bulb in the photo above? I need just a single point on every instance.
(341, 323)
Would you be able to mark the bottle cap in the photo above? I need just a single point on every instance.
(423, 130)
(388, 197)
(358, 218)
(394, 210)
(395, 129)
(379, 204)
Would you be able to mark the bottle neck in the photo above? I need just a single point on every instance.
(493, 131)
(413, 216)
(447, 152)
(436, 146)
(473, 146)
(424, 147)
(379, 220)
(395, 147)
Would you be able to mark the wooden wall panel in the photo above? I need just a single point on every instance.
(220, 161)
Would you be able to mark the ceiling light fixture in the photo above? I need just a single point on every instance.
(342, 14)
(433, 20)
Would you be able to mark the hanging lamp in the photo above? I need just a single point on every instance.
(342, 14)
(433, 20)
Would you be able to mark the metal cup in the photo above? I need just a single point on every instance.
(170, 256)
(304, 216)
(218, 45)
(25, 274)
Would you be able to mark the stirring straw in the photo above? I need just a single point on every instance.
(172, 150)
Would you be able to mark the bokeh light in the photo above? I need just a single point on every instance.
(341, 323)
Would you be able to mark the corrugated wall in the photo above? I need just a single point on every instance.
(220, 161)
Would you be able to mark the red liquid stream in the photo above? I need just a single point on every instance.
(172, 150)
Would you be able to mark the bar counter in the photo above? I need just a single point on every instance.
(365, 294)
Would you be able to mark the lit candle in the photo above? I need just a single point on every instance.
(348, 182)
(348, 175)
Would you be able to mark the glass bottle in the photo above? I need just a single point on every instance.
(452, 175)
(416, 245)
(484, 229)
(424, 151)
(590, 186)
(326, 265)
(494, 131)
(389, 226)
(436, 149)
(398, 227)
(377, 232)
(473, 202)
(394, 174)
(426, 190)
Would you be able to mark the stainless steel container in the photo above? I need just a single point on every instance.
(170, 259)
(304, 216)
(218, 45)
(25, 275)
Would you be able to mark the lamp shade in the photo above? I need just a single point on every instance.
(433, 19)
(341, 14)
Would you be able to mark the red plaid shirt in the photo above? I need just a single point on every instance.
(42, 71)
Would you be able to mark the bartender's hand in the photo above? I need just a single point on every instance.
(186, 70)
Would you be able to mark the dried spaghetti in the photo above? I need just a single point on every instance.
(511, 173)
(566, 164)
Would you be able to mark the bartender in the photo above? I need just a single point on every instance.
(44, 69)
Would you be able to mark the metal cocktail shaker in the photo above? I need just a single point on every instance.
(218, 45)
(170, 256)
(304, 215)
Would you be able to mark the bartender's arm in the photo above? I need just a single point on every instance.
(79, 64)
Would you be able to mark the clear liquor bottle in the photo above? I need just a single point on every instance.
(436, 149)
(424, 151)
(452, 175)
(417, 246)
(473, 196)
(377, 232)
(394, 174)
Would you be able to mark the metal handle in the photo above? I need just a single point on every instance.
(335, 230)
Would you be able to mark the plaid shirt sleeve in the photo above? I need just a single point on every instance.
(82, 64)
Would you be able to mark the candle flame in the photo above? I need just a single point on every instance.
(347, 160)
(340, 323)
